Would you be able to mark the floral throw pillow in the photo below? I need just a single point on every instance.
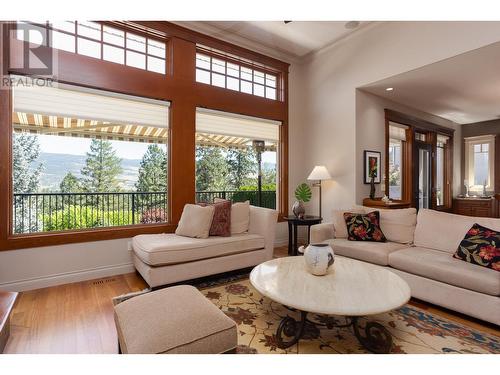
(480, 246)
(364, 227)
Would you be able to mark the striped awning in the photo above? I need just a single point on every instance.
(66, 126)
(72, 127)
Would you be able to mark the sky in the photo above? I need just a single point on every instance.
(124, 150)
(80, 146)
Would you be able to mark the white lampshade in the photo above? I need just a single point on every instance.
(319, 173)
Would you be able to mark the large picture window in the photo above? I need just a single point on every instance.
(232, 151)
(87, 159)
(58, 141)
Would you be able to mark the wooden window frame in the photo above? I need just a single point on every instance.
(416, 125)
(178, 86)
(469, 143)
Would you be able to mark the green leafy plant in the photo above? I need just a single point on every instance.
(303, 192)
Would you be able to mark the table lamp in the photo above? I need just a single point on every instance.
(319, 173)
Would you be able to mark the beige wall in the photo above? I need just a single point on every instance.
(370, 130)
(333, 75)
(481, 128)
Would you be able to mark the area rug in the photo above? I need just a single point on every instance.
(413, 329)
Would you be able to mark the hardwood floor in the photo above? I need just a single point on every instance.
(78, 317)
(71, 318)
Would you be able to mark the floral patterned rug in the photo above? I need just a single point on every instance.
(414, 330)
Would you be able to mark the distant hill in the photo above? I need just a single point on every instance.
(57, 165)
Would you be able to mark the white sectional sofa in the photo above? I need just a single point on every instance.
(167, 258)
(420, 249)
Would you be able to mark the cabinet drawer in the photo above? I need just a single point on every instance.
(479, 208)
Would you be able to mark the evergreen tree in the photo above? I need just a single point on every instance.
(242, 166)
(153, 170)
(25, 179)
(25, 170)
(102, 168)
(211, 169)
(70, 184)
(269, 178)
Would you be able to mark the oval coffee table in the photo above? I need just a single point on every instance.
(350, 288)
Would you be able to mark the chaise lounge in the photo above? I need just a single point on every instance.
(168, 258)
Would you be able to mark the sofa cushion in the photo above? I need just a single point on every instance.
(173, 320)
(168, 248)
(221, 222)
(364, 227)
(480, 246)
(240, 216)
(373, 252)
(440, 266)
(443, 231)
(397, 225)
(338, 221)
(195, 221)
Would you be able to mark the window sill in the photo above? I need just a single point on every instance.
(23, 241)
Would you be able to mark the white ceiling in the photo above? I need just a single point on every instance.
(286, 41)
(463, 89)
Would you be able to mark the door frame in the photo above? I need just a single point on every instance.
(431, 130)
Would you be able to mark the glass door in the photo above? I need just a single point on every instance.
(422, 177)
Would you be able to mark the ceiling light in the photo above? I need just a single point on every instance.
(389, 89)
(351, 25)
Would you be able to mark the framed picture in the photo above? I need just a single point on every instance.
(372, 166)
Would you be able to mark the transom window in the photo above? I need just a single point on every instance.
(226, 74)
(99, 41)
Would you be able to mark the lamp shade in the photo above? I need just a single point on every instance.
(319, 173)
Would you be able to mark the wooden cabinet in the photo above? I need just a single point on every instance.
(475, 207)
(378, 203)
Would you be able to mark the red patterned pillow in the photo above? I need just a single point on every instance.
(364, 227)
(480, 246)
(221, 223)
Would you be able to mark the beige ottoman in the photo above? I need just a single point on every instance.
(173, 320)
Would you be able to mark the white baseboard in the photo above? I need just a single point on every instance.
(67, 277)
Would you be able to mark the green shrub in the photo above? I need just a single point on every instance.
(81, 217)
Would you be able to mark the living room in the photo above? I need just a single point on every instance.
(325, 185)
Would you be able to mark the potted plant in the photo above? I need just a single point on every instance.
(302, 194)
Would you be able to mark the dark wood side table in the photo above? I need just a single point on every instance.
(293, 223)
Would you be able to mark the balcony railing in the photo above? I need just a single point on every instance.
(267, 197)
(45, 212)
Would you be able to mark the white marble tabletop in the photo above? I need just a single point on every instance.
(350, 288)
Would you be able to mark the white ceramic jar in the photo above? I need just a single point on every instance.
(318, 258)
